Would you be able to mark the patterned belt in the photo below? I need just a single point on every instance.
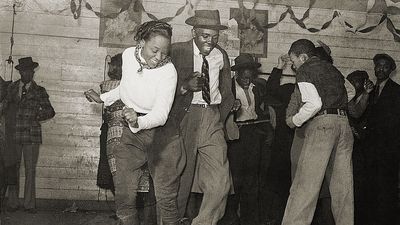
(204, 105)
(341, 112)
(250, 122)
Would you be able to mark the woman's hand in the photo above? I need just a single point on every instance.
(130, 117)
(91, 96)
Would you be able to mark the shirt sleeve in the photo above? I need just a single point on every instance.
(351, 91)
(165, 96)
(110, 97)
(358, 105)
(312, 103)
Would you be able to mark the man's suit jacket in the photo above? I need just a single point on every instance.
(25, 114)
(182, 58)
(383, 119)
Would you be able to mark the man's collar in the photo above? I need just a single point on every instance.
(27, 85)
(196, 50)
(382, 84)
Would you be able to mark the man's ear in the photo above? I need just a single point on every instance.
(303, 57)
(193, 33)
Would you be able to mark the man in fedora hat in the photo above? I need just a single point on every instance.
(202, 102)
(27, 105)
(382, 144)
(246, 155)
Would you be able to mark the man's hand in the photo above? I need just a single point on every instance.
(194, 83)
(283, 61)
(91, 96)
(236, 105)
(368, 86)
(289, 122)
(130, 117)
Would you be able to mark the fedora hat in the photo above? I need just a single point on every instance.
(208, 19)
(245, 61)
(387, 58)
(26, 63)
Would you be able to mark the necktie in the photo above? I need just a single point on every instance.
(376, 93)
(246, 91)
(23, 91)
(206, 88)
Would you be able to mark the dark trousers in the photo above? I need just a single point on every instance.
(247, 161)
(382, 187)
(31, 156)
(135, 150)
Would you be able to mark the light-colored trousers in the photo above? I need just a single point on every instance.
(206, 146)
(327, 149)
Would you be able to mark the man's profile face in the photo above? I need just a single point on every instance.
(26, 75)
(245, 77)
(205, 39)
(382, 69)
(297, 61)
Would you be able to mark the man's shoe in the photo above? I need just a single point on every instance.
(185, 221)
(31, 210)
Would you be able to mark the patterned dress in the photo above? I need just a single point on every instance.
(113, 117)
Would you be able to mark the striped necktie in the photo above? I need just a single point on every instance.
(206, 88)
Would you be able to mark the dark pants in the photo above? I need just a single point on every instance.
(247, 160)
(382, 194)
(31, 156)
(135, 150)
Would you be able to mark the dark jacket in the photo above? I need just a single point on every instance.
(182, 58)
(383, 119)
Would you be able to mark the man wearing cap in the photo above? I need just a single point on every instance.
(202, 102)
(246, 156)
(328, 141)
(383, 144)
(27, 105)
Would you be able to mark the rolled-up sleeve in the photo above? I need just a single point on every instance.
(110, 97)
(312, 103)
(165, 97)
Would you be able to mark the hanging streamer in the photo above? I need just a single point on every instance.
(300, 22)
(139, 7)
(392, 8)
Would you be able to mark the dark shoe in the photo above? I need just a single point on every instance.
(31, 211)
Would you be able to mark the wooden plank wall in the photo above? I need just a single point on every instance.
(71, 62)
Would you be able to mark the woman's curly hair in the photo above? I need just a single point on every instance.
(151, 28)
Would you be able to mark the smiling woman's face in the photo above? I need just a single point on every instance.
(155, 49)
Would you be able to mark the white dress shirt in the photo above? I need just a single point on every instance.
(151, 91)
(247, 111)
(215, 63)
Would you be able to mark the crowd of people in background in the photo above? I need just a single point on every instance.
(210, 148)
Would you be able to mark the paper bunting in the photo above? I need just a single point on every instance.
(382, 6)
